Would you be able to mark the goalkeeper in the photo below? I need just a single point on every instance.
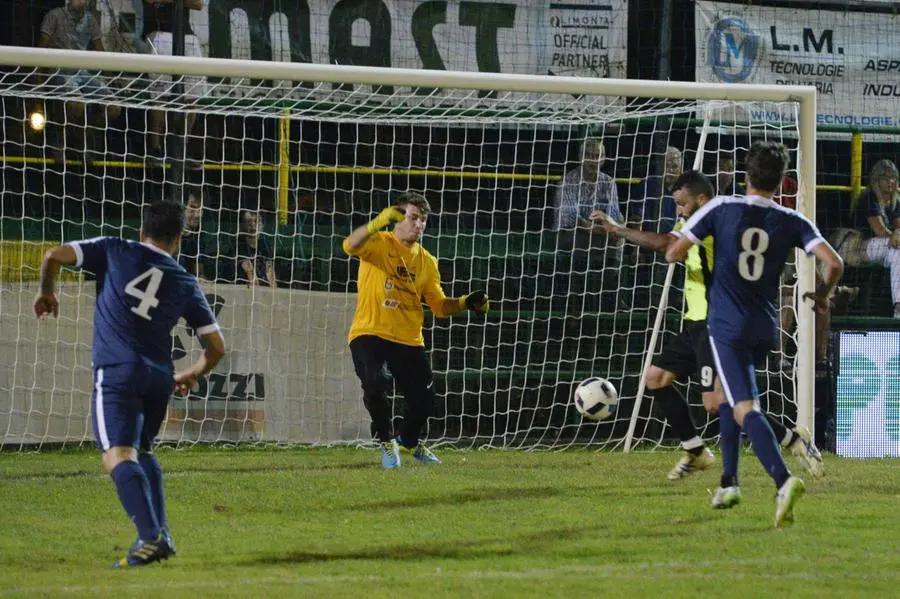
(395, 273)
(690, 352)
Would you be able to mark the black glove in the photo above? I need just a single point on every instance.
(477, 301)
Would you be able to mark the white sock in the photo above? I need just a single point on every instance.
(692, 444)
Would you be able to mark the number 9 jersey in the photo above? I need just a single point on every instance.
(142, 292)
(753, 238)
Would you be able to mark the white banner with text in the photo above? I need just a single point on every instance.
(851, 57)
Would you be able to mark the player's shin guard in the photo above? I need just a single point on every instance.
(134, 493)
(677, 412)
(766, 447)
(730, 443)
(154, 474)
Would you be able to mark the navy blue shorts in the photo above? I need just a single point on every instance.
(736, 365)
(128, 405)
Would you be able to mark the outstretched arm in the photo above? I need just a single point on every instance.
(54, 259)
(657, 242)
(477, 301)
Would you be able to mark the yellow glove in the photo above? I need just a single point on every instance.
(477, 301)
(389, 215)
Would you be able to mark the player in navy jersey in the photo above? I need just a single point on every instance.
(753, 238)
(142, 292)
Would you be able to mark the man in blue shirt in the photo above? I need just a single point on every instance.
(142, 292)
(753, 239)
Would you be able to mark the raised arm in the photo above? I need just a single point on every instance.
(361, 234)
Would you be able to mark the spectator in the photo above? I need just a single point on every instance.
(73, 27)
(585, 247)
(192, 251)
(658, 213)
(582, 191)
(725, 176)
(875, 236)
(254, 256)
(157, 18)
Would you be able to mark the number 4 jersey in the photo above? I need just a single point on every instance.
(141, 293)
(753, 237)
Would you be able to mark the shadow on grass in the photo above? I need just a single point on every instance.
(225, 469)
(459, 497)
(462, 549)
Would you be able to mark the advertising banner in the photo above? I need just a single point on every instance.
(851, 57)
(583, 38)
(287, 376)
(868, 394)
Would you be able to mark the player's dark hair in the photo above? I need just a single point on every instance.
(766, 163)
(411, 198)
(163, 221)
(695, 183)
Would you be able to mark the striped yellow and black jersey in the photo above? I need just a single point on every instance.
(698, 266)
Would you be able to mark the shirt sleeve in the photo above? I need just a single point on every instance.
(433, 292)
(615, 211)
(873, 208)
(566, 215)
(702, 223)
(96, 33)
(198, 314)
(373, 250)
(808, 234)
(90, 254)
(48, 25)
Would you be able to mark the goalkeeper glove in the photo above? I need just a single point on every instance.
(389, 215)
(477, 301)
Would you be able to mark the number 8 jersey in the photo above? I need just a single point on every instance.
(142, 292)
(753, 238)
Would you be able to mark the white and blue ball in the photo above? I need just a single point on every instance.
(596, 398)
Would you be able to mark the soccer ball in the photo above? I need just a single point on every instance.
(596, 398)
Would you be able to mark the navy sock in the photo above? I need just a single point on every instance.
(766, 447)
(134, 493)
(730, 443)
(154, 474)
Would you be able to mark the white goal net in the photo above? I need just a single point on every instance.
(289, 158)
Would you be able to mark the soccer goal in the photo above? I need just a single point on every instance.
(286, 158)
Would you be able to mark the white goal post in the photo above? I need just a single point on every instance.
(561, 101)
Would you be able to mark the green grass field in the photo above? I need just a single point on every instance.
(331, 523)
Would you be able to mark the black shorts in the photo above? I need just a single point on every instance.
(377, 360)
(689, 353)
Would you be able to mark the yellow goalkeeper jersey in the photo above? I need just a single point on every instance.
(698, 275)
(393, 279)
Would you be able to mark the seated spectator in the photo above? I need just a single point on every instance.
(254, 256)
(583, 191)
(875, 236)
(156, 25)
(73, 27)
(658, 212)
(191, 253)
